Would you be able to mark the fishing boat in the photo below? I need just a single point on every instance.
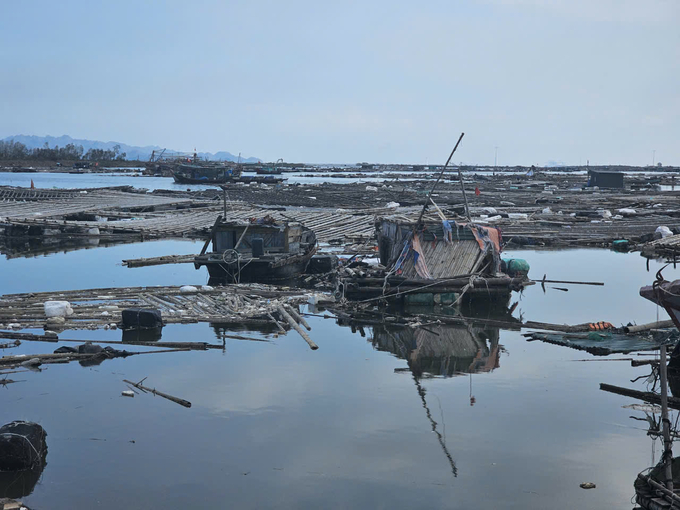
(258, 250)
(428, 259)
(217, 174)
(658, 489)
(271, 170)
(204, 174)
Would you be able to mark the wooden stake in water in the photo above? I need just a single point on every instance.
(667, 443)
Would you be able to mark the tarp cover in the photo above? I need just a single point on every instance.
(602, 344)
(22, 446)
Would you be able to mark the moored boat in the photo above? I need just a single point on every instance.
(217, 174)
(260, 250)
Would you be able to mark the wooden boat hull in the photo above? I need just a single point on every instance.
(667, 295)
(183, 179)
(254, 270)
(482, 288)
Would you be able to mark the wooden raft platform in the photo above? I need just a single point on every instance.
(150, 216)
(666, 247)
(252, 304)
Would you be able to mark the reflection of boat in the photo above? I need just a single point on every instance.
(257, 251)
(443, 350)
(19, 484)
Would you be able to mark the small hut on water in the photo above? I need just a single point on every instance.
(605, 178)
(435, 256)
(441, 249)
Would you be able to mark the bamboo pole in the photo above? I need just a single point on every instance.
(278, 325)
(138, 385)
(434, 186)
(668, 493)
(646, 396)
(646, 327)
(544, 281)
(297, 316)
(297, 327)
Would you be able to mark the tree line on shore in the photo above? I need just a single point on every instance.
(12, 150)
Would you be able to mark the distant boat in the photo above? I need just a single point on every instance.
(217, 174)
(269, 171)
(272, 170)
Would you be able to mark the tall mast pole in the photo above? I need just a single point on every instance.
(427, 200)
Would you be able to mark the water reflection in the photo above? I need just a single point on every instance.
(19, 484)
(28, 247)
(226, 330)
(441, 350)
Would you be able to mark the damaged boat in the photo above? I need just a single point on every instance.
(257, 250)
(436, 257)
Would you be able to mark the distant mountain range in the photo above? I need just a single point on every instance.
(131, 151)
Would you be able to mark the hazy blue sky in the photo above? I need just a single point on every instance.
(315, 81)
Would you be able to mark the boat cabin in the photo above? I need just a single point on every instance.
(605, 178)
(217, 173)
(258, 239)
(440, 249)
(258, 250)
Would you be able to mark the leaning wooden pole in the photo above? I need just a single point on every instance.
(297, 327)
(212, 233)
(434, 186)
(667, 442)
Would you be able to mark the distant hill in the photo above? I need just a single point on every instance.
(131, 151)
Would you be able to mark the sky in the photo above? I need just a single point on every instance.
(532, 81)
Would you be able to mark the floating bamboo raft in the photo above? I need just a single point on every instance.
(158, 216)
(572, 216)
(666, 247)
(98, 308)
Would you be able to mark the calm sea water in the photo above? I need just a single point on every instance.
(351, 425)
(65, 180)
(275, 425)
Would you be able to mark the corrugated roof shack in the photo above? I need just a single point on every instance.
(443, 252)
(605, 178)
(440, 263)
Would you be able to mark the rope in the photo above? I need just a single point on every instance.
(22, 437)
